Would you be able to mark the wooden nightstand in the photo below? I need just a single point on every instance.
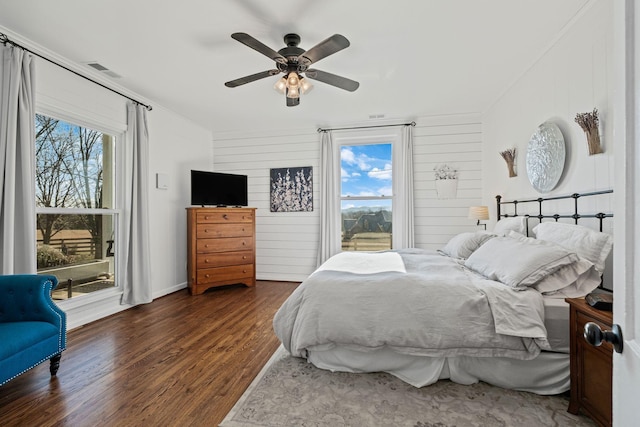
(591, 367)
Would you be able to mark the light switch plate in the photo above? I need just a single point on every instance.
(162, 181)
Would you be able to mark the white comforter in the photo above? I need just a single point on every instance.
(435, 308)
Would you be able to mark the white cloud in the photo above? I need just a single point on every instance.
(362, 163)
(346, 155)
(384, 174)
(385, 191)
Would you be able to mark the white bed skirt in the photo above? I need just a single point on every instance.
(546, 374)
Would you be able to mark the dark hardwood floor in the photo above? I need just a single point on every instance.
(180, 361)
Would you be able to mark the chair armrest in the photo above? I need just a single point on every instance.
(27, 297)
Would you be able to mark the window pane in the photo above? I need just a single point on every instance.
(74, 165)
(78, 250)
(366, 170)
(366, 225)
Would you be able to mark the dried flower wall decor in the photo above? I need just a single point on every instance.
(446, 181)
(292, 189)
(589, 123)
(509, 156)
(445, 172)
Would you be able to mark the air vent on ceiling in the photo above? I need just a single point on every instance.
(103, 69)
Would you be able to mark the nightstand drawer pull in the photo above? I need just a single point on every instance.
(595, 336)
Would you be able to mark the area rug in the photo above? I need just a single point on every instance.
(289, 391)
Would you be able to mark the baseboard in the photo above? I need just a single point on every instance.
(80, 315)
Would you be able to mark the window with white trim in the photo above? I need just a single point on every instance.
(366, 196)
(76, 215)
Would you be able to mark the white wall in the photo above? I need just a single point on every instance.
(286, 243)
(176, 147)
(573, 76)
(455, 140)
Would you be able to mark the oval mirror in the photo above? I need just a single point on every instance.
(545, 157)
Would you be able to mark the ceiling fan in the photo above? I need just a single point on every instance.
(294, 62)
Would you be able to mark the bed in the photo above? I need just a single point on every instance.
(488, 306)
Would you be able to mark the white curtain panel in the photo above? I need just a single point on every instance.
(134, 258)
(17, 162)
(329, 242)
(403, 234)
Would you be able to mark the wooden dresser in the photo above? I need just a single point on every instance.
(221, 247)
(591, 367)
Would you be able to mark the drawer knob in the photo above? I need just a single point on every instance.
(244, 243)
(224, 216)
(595, 336)
(206, 275)
(206, 261)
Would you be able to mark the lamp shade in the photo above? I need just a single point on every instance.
(478, 212)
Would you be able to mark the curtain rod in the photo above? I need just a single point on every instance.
(367, 127)
(4, 39)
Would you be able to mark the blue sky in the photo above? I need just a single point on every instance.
(366, 171)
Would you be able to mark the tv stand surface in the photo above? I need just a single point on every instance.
(221, 247)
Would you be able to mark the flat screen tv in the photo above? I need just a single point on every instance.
(218, 189)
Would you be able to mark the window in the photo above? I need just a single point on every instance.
(75, 206)
(366, 196)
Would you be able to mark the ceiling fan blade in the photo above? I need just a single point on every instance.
(254, 44)
(251, 78)
(327, 47)
(333, 80)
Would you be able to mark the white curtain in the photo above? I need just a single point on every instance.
(329, 243)
(403, 234)
(17, 162)
(134, 251)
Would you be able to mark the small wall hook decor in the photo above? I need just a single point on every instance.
(589, 123)
(509, 156)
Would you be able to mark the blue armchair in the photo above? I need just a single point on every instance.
(32, 328)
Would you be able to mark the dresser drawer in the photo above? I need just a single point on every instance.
(225, 244)
(223, 259)
(223, 216)
(224, 274)
(214, 231)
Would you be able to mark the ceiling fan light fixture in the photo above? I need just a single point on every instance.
(293, 80)
(292, 61)
(281, 85)
(293, 92)
(305, 86)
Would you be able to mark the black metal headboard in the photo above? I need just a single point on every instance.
(575, 216)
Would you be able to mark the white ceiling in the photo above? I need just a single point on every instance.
(411, 57)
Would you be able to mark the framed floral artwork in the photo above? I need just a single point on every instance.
(291, 189)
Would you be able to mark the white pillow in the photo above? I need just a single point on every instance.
(590, 244)
(571, 281)
(516, 223)
(463, 244)
(519, 263)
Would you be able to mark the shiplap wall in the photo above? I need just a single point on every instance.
(286, 243)
(457, 141)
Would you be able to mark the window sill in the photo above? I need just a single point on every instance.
(91, 298)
